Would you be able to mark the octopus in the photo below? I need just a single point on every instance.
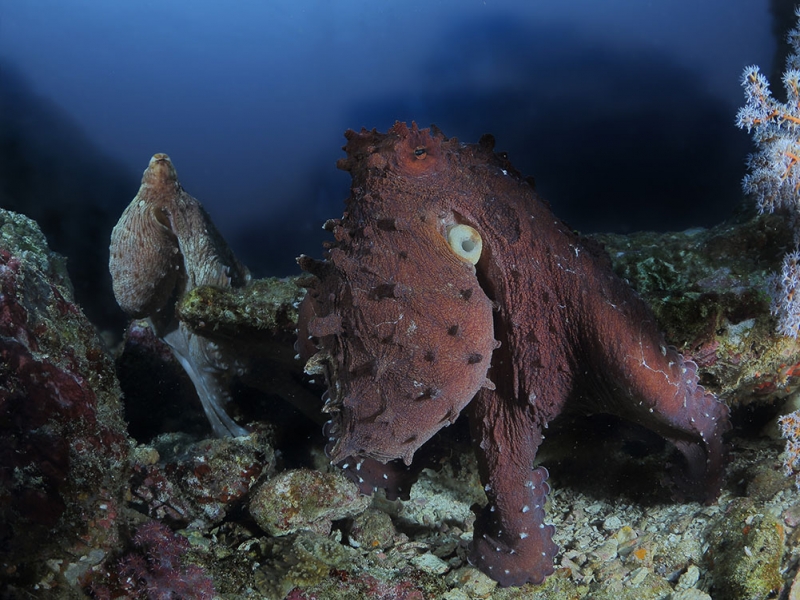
(451, 285)
(164, 246)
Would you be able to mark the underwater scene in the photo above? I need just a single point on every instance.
(456, 299)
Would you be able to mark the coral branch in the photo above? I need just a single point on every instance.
(790, 430)
(774, 178)
(774, 181)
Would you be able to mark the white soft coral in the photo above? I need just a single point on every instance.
(773, 179)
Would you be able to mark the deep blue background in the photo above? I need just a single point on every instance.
(622, 110)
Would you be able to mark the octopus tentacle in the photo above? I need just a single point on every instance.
(511, 542)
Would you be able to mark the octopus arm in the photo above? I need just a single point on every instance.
(208, 377)
(648, 382)
(511, 542)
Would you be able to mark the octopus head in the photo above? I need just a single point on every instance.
(403, 331)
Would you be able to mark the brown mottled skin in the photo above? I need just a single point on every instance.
(163, 246)
(406, 333)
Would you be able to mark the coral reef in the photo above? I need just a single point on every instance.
(164, 246)
(620, 536)
(80, 514)
(63, 445)
(616, 543)
(436, 234)
(155, 569)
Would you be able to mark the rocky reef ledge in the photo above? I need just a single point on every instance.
(92, 506)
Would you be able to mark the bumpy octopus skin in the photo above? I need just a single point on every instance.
(409, 332)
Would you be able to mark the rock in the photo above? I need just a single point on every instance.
(794, 590)
(430, 563)
(766, 481)
(303, 499)
(264, 311)
(690, 594)
(638, 576)
(708, 288)
(63, 444)
(688, 579)
(791, 516)
(159, 397)
(371, 529)
(747, 545)
(301, 561)
(194, 484)
(442, 497)
(255, 325)
(607, 551)
(471, 581)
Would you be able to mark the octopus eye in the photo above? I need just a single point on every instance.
(420, 152)
(465, 242)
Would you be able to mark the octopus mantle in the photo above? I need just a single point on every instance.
(451, 285)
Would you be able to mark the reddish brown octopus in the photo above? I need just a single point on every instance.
(451, 283)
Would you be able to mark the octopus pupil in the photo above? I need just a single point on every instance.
(420, 152)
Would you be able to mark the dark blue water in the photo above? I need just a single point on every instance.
(622, 110)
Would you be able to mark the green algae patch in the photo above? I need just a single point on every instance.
(746, 547)
(696, 280)
(265, 307)
(709, 289)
